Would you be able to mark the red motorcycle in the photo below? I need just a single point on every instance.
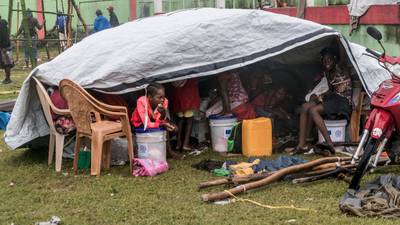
(384, 119)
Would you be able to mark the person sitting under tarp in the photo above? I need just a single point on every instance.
(271, 104)
(234, 98)
(151, 112)
(335, 101)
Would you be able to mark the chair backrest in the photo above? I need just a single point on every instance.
(83, 109)
(45, 102)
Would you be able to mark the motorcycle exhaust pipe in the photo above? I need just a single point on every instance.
(356, 155)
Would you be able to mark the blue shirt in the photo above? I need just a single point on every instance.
(101, 23)
(60, 22)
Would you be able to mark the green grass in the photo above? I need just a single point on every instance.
(171, 198)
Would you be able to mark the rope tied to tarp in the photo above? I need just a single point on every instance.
(268, 206)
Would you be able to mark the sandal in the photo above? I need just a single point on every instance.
(299, 150)
(323, 147)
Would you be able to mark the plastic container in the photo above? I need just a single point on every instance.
(221, 128)
(336, 130)
(152, 143)
(257, 137)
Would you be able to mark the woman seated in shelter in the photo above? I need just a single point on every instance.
(234, 99)
(336, 101)
(151, 112)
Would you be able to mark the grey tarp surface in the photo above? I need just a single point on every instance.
(179, 45)
(380, 197)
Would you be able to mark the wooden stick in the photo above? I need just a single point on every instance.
(46, 44)
(10, 11)
(334, 172)
(214, 183)
(233, 180)
(330, 165)
(208, 197)
(78, 13)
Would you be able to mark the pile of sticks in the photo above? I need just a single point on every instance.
(339, 167)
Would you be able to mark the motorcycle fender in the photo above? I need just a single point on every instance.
(382, 122)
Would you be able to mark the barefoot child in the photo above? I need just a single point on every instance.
(151, 111)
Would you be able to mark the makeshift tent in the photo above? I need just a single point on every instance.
(185, 44)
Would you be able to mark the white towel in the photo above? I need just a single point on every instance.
(318, 90)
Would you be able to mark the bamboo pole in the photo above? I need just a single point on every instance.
(10, 12)
(47, 12)
(58, 36)
(46, 44)
(78, 13)
(18, 43)
(209, 197)
(69, 25)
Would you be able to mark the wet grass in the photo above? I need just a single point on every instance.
(32, 191)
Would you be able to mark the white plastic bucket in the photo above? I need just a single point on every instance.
(336, 130)
(221, 128)
(151, 144)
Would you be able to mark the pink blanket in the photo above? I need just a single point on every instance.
(148, 167)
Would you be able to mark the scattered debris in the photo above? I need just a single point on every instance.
(54, 220)
(12, 184)
(292, 221)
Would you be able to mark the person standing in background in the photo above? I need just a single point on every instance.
(113, 17)
(33, 24)
(61, 26)
(100, 23)
(6, 60)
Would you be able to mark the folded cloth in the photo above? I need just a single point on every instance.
(318, 90)
(148, 167)
(243, 169)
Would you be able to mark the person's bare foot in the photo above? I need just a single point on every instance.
(175, 155)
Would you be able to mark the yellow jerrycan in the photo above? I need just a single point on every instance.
(257, 137)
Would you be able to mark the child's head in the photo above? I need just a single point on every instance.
(156, 93)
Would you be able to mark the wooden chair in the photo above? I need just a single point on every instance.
(92, 120)
(56, 139)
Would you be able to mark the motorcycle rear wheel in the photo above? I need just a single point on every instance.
(369, 150)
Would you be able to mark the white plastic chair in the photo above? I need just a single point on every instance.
(56, 139)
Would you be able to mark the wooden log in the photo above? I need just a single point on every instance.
(214, 183)
(69, 24)
(330, 165)
(209, 197)
(233, 180)
(332, 173)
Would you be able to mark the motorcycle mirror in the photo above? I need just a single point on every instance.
(373, 32)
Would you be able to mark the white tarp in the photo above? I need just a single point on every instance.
(359, 7)
(178, 45)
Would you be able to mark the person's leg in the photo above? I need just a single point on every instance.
(315, 113)
(26, 54)
(170, 152)
(7, 70)
(34, 52)
(188, 132)
(179, 134)
(303, 123)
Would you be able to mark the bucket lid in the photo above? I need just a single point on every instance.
(216, 117)
(148, 130)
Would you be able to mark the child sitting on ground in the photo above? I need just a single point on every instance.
(151, 112)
